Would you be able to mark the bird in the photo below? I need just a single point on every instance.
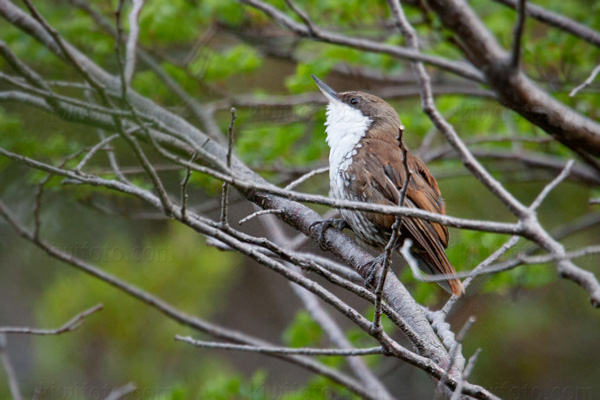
(366, 163)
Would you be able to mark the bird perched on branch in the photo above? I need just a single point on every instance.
(367, 163)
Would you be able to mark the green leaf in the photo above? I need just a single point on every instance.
(304, 331)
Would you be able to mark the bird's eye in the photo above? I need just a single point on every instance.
(355, 100)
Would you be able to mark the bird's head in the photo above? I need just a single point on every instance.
(353, 113)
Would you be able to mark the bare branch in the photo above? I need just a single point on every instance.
(449, 10)
(94, 150)
(558, 21)
(282, 350)
(518, 35)
(363, 44)
(468, 369)
(587, 82)
(306, 176)
(443, 126)
(569, 255)
(112, 159)
(303, 16)
(258, 213)
(184, 183)
(225, 192)
(211, 229)
(512, 242)
(515, 90)
(549, 187)
(487, 226)
(312, 304)
(198, 111)
(455, 353)
(134, 31)
(70, 326)
(121, 392)
(173, 313)
(529, 159)
(391, 245)
(297, 215)
(13, 382)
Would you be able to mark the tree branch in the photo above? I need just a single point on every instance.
(514, 89)
(363, 44)
(587, 82)
(558, 21)
(173, 313)
(13, 382)
(518, 35)
(282, 350)
(70, 326)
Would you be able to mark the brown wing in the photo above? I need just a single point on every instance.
(382, 175)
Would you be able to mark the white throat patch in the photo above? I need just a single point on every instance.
(345, 127)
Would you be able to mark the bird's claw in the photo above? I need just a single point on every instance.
(372, 270)
(323, 225)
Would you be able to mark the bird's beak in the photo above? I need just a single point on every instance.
(328, 92)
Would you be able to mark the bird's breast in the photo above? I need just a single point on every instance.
(343, 187)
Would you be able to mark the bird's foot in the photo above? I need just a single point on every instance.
(371, 270)
(322, 225)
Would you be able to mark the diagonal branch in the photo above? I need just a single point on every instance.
(587, 82)
(514, 89)
(532, 229)
(172, 312)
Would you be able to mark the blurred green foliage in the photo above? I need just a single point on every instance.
(130, 341)
(173, 266)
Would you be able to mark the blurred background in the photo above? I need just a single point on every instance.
(539, 336)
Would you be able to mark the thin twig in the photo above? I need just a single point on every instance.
(225, 191)
(184, 183)
(303, 16)
(486, 269)
(554, 183)
(40, 192)
(172, 312)
(323, 35)
(531, 226)
(94, 150)
(216, 230)
(466, 373)
(559, 21)
(512, 242)
(282, 350)
(114, 164)
(134, 31)
(120, 392)
(518, 35)
(13, 382)
(587, 82)
(569, 255)
(132, 141)
(258, 213)
(306, 176)
(70, 326)
(485, 226)
(455, 351)
(391, 245)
